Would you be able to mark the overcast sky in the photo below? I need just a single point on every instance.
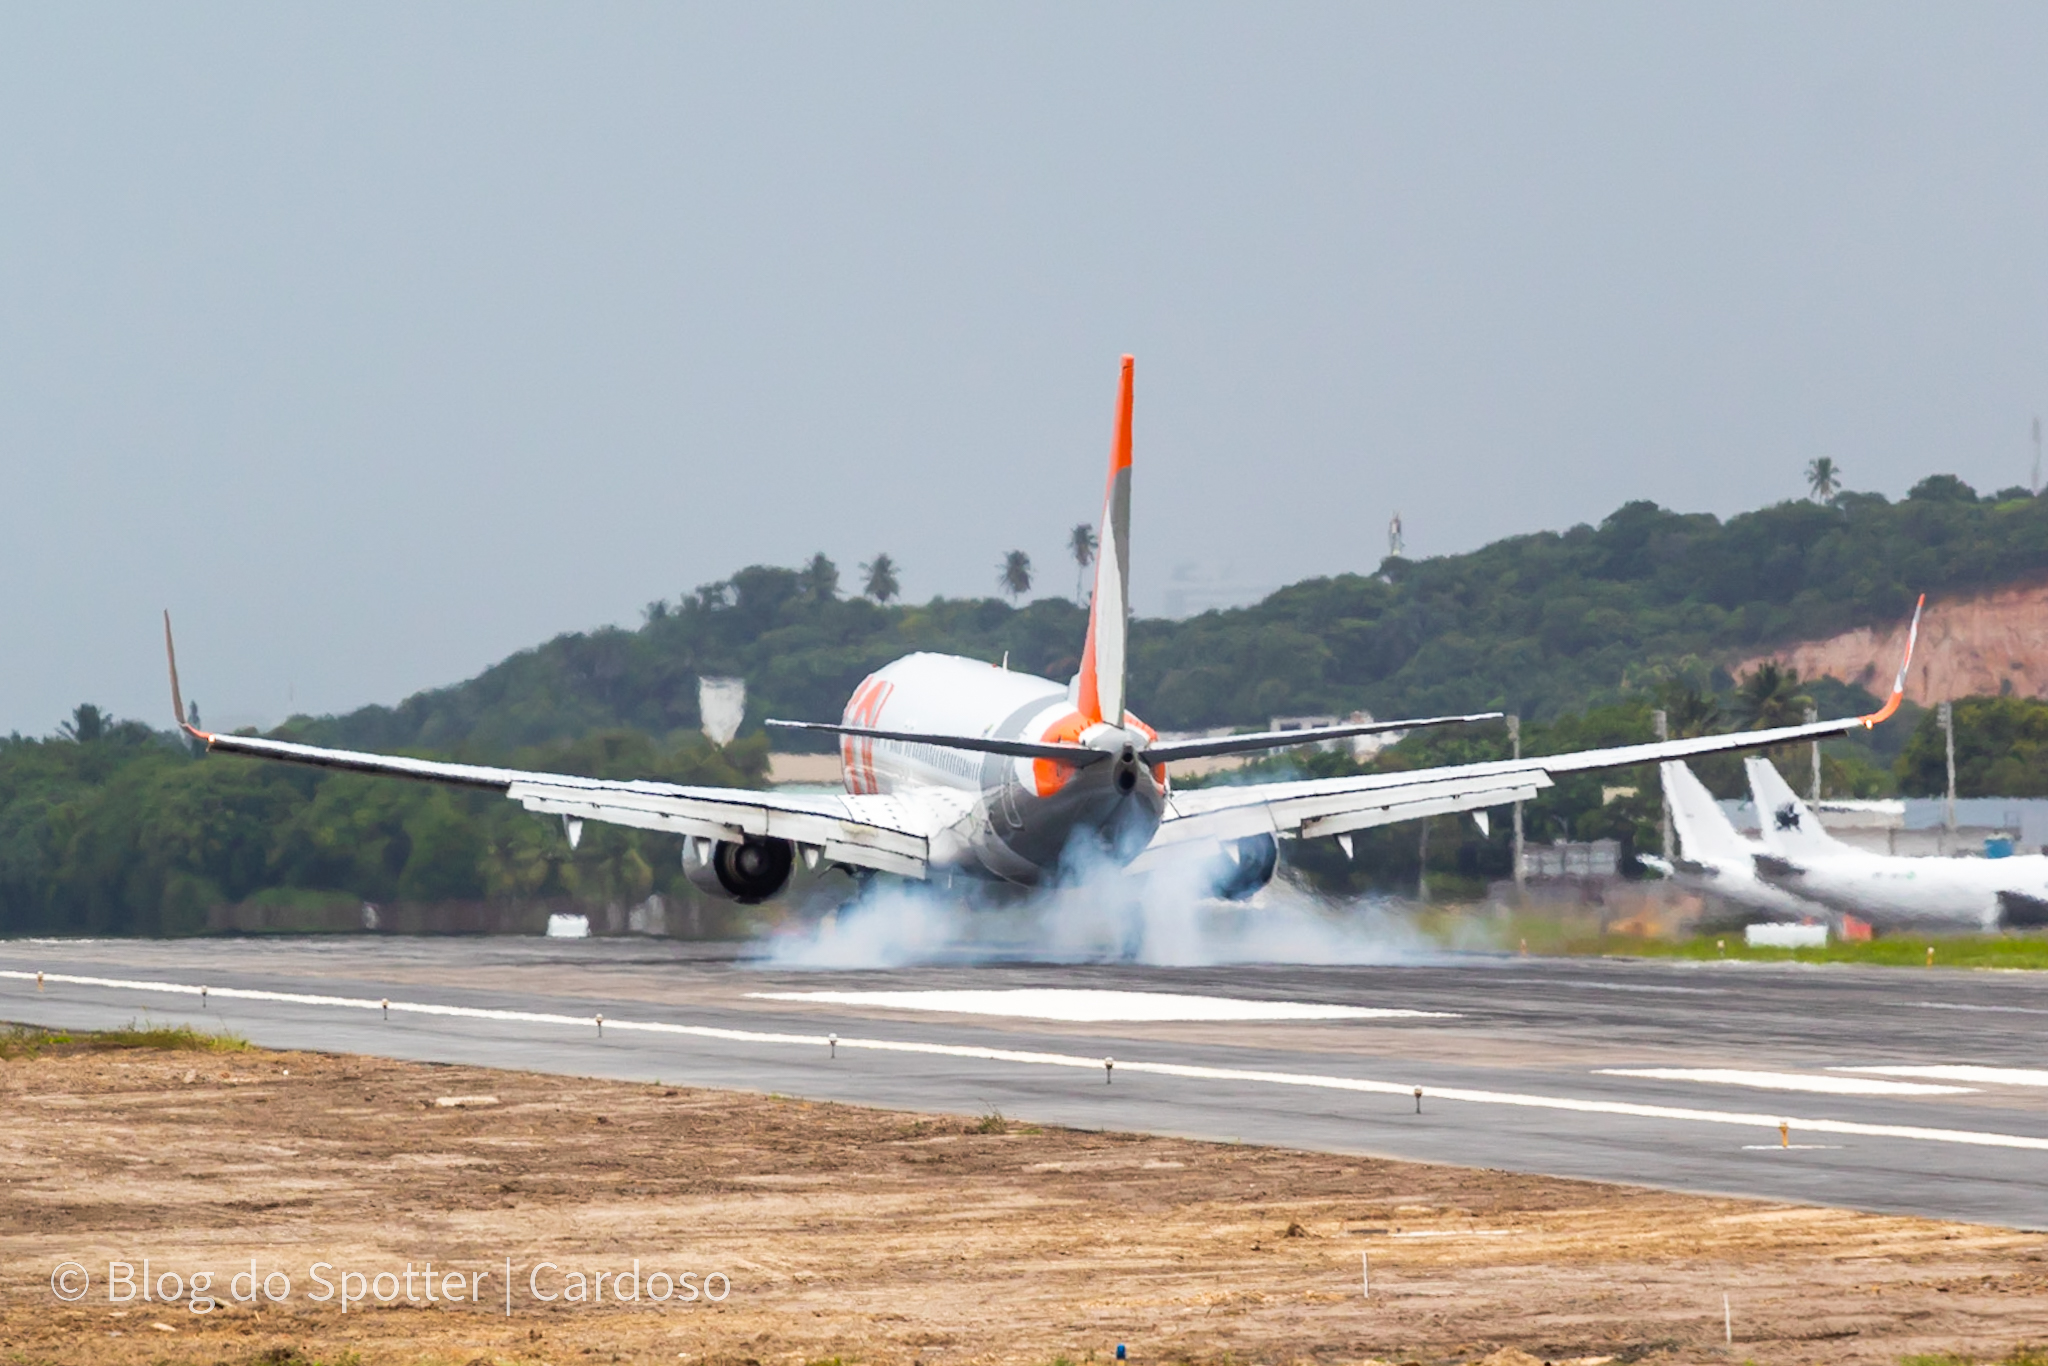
(380, 341)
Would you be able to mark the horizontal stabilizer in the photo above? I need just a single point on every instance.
(1079, 755)
(1283, 739)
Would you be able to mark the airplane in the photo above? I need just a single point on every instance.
(958, 768)
(1968, 893)
(1713, 856)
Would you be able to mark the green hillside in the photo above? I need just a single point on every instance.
(1540, 625)
(110, 827)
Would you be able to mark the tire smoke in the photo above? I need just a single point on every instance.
(1163, 919)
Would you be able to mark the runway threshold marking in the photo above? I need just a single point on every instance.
(1917, 1133)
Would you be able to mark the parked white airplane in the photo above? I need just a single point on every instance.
(1713, 856)
(1978, 893)
(958, 767)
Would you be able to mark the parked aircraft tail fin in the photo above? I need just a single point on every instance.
(1705, 834)
(1101, 686)
(1790, 828)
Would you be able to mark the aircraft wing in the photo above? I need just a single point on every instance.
(883, 833)
(869, 832)
(1336, 806)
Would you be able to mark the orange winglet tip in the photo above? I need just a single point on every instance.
(1891, 704)
(177, 696)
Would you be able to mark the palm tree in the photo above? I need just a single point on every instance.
(1770, 697)
(1824, 478)
(820, 578)
(881, 578)
(1081, 545)
(1014, 577)
(87, 724)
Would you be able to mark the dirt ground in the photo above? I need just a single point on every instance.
(872, 1236)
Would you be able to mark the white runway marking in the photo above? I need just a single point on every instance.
(1791, 1147)
(1094, 1006)
(1360, 1085)
(1996, 1076)
(1786, 1081)
(1988, 1010)
(1626, 986)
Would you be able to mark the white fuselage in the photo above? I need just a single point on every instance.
(1018, 819)
(1736, 880)
(1883, 888)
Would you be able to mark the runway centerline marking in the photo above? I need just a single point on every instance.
(1188, 1071)
(1786, 1081)
(1094, 1005)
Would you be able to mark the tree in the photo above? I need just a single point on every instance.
(1941, 488)
(1823, 479)
(881, 578)
(1688, 711)
(1081, 545)
(87, 724)
(1014, 577)
(820, 579)
(1769, 697)
(2001, 750)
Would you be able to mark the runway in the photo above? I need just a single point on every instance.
(1906, 1090)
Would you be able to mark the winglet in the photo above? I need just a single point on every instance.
(1891, 703)
(1101, 692)
(178, 697)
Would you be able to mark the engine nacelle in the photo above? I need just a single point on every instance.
(748, 872)
(1243, 866)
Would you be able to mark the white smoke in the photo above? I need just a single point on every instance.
(1164, 919)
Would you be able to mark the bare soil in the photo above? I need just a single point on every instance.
(1971, 645)
(872, 1236)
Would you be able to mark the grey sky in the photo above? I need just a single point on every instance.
(380, 341)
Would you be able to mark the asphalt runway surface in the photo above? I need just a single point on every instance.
(1523, 1062)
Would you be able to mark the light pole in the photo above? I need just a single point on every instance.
(1660, 722)
(1813, 715)
(1947, 714)
(1515, 738)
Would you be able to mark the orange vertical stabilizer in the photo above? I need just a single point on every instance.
(1101, 690)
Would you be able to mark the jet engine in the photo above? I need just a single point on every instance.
(753, 870)
(1243, 866)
